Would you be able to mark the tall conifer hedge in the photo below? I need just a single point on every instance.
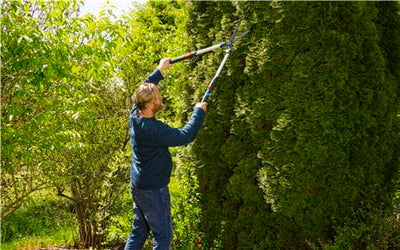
(300, 148)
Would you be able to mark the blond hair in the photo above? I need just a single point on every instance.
(143, 95)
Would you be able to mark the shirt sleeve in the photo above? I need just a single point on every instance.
(155, 77)
(170, 137)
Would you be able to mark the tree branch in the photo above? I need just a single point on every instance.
(60, 193)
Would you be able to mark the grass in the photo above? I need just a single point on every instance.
(58, 238)
(45, 220)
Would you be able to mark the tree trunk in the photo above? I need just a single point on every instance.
(89, 235)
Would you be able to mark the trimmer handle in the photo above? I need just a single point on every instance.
(206, 96)
(181, 58)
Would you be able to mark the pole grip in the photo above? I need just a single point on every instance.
(178, 59)
(206, 95)
(181, 58)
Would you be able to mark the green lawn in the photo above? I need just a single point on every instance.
(44, 221)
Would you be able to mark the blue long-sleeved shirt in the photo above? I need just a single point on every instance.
(151, 164)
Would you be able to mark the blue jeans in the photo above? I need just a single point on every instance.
(151, 211)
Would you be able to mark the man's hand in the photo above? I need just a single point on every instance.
(164, 64)
(202, 105)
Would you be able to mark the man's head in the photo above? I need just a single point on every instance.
(148, 98)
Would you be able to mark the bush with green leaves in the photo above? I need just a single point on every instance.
(64, 118)
(300, 145)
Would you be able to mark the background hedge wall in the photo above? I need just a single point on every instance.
(300, 148)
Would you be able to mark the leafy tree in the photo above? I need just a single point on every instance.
(65, 119)
(93, 162)
(35, 67)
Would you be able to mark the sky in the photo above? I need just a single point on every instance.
(94, 6)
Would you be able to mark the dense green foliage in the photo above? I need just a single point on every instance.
(63, 117)
(300, 148)
(306, 111)
(35, 63)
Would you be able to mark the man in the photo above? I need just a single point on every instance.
(151, 162)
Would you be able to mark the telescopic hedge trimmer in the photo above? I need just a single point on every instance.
(226, 46)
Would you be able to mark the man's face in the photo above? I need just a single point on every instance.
(157, 101)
